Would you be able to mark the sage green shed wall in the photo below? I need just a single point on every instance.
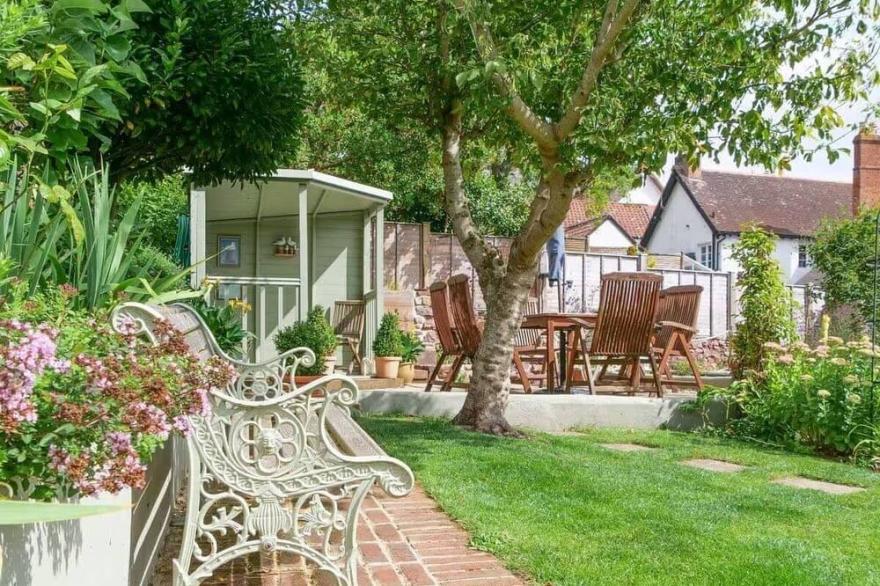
(336, 265)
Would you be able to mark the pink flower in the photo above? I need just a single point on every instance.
(181, 423)
(119, 441)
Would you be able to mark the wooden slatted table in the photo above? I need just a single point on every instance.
(557, 323)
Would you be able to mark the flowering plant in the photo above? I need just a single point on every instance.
(821, 398)
(83, 408)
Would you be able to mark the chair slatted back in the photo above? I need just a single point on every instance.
(348, 318)
(679, 304)
(461, 303)
(442, 318)
(627, 306)
(528, 338)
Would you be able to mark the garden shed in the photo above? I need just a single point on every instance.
(286, 243)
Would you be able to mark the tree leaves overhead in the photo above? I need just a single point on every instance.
(150, 87)
(223, 93)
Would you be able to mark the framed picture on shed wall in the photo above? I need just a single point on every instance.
(229, 249)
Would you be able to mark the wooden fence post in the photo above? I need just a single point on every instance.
(424, 255)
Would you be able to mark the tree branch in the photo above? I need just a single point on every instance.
(540, 131)
(613, 24)
(455, 200)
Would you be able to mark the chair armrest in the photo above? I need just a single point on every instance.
(677, 326)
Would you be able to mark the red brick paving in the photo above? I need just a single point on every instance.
(407, 542)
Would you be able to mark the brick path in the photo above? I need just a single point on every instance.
(407, 541)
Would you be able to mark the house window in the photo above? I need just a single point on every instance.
(803, 256)
(706, 255)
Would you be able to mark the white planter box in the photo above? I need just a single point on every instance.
(94, 550)
(117, 549)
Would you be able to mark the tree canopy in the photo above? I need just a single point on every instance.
(578, 93)
(213, 85)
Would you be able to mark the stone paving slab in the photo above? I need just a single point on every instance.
(406, 542)
(627, 447)
(820, 485)
(713, 465)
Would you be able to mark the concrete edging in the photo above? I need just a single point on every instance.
(552, 412)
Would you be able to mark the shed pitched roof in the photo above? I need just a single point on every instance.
(787, 206)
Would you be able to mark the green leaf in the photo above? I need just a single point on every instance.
(136, 6)
(22, 512)
(20, 61)
(94, 6)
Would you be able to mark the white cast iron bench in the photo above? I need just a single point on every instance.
(268, 468)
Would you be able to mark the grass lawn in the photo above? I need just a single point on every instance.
(564, 510)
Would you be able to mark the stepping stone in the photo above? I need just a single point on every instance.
(627, 447)
(820, 485)
(713, 465)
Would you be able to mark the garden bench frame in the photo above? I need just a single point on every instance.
(265, 473)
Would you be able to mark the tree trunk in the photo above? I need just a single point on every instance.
(505, 283)
(489, 387)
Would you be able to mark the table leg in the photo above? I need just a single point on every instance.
(551, 357)
(563, 357)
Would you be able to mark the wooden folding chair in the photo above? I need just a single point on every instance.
(467, 326)
(677, 314)
(449, 345)
(530, 350)
(624, 330)
(348, 325)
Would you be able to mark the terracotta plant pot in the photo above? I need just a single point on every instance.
(407, 372)
(387, 366)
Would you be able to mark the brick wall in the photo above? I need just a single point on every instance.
(866, 170)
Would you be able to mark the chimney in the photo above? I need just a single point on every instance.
(866, 170)
(685, 169)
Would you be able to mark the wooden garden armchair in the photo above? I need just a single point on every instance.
(530, 349)
(624, 329)
(469, 331)
(449, 346)
(677, 314)
(348, 324)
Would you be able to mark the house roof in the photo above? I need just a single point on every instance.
(631, 218)
(786, 206)
(577, 213)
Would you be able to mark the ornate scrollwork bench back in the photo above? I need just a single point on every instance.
(264, 471)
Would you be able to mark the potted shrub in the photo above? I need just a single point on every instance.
(314, 333)
(412, 349)
(388, 346)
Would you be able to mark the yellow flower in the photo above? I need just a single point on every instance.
(823, 393)
(839, 361)
(834, 341)
(853, 399)
(240, 305)
(805, 378)
(851, 379)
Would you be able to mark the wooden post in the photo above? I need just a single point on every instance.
(197, 229)
(425, 255)
(379, 282)
(305, 282)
